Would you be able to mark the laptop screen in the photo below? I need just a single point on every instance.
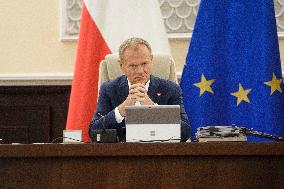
(152, 123)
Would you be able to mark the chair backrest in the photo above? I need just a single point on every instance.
(164, 67)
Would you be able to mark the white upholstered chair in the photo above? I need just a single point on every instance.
(164, 67)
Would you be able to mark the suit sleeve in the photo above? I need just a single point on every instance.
(104, 117)
(185, 127)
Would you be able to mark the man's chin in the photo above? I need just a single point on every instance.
(140, 80)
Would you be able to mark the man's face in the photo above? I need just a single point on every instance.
(137, 64)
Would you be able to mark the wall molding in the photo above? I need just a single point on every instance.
(179, 18)
(36, 79)
(44, 79)
(70, 15)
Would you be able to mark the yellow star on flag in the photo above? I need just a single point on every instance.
(275, 84)
(242, 95)
(204, 85)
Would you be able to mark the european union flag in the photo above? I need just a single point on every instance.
(232, 74)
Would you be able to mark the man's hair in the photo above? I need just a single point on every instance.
(133, 42)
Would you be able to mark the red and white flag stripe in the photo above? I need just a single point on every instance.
(105, 24)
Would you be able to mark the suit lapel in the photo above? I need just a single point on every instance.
(154, 89)
(123, 89)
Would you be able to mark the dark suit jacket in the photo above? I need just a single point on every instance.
(114, 92)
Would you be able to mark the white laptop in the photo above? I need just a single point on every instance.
(158, 123)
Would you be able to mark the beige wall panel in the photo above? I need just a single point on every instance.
(29, 39)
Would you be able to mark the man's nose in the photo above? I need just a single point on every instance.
(140, 68)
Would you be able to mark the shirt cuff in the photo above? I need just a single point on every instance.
(118, 117)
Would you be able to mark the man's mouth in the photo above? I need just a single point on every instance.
(139, 78)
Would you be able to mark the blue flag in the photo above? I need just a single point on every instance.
(232, 74)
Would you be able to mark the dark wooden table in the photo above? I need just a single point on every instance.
(149, 165)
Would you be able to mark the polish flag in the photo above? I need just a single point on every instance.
(105, 24)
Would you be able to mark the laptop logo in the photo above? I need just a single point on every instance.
(152, 133)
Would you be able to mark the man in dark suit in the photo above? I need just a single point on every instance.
(136, 86)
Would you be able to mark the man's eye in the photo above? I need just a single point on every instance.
(132, 66)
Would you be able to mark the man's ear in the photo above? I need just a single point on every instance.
(151, 57)
(121, 66)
